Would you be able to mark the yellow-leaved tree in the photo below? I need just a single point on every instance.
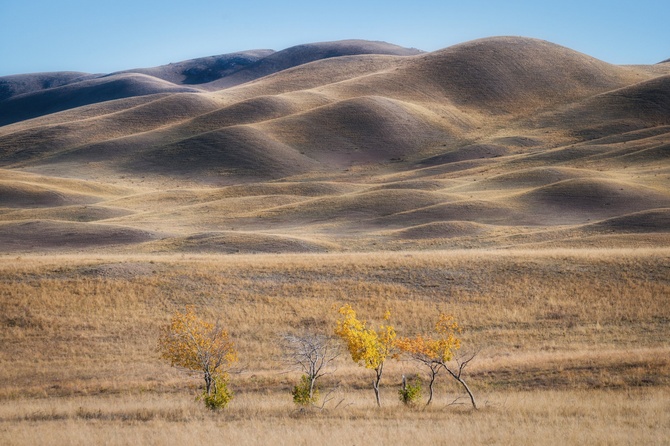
(368, 347)
(437, 351)
(190, 343)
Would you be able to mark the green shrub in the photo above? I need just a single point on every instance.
(410, 392)
(220, 396)
(301, 392)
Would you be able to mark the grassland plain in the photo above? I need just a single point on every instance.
(572, 346)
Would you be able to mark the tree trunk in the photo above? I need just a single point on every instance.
(208, 383)
(467, 389)
(465, 386)
(375, 384)
(430, 387)
(312, 380)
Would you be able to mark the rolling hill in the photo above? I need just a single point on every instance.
(351, 145)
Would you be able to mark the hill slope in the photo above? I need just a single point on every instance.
(85, 92)
(342, 145)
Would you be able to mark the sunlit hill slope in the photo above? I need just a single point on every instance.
(348, 145)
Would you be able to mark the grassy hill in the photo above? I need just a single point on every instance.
(490, 142)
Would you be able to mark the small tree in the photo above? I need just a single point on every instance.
(368, 347)
(311, 354)
(190, 343)
(436, 353)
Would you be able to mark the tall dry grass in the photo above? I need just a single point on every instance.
(558, 332)
(529, 417)
(79, 323)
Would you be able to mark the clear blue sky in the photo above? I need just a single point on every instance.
(105, 36)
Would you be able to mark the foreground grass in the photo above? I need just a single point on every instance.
(572, 345)
(594, 417)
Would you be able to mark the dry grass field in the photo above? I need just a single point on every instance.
(566, 417)
(572, 346)
(516, 184)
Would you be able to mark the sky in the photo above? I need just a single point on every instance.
(105, 36)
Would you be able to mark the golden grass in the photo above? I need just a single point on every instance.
(572, 345)
(549, 417)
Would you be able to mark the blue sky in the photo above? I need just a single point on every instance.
(106, 36)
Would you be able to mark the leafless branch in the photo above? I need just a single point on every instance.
(462, 362)
(311, 354)
(329, 397)
(456, 402)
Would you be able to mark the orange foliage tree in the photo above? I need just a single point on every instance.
(368, 347)
(190, 343)
(437, 351)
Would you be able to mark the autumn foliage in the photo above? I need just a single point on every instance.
(436, 351)
(439, 347)
(192, 344)
(368, 347)
(195, 345)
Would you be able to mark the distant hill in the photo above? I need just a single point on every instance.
(303, 54)
(11, 86)
(82, 92)
(30, 95)
(355, 145)
(216, 72)
(204, 69)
